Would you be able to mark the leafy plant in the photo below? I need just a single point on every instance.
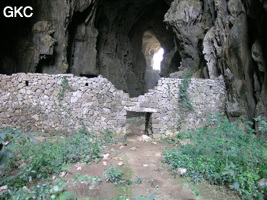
(82, 147)
(91, 180)
(120, 197)
(34, 162)
(64, 86)
(262, 124)
(66, 195)
(115, 176)
(107, 137)
(138, 180)
(5, 154)
(8, 138)
(184, 100)
(225, 154)
(40, 191)
(144, 197)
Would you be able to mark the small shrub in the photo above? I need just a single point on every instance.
(33, 162)
(8, 138)
(120, 197)
(81, 147)
(224, 154)
(115, 176)
(39, 191)
(89, 180)
(184, 100)
(262, 125)
(145, 197)
(107, 137)
(64, 87)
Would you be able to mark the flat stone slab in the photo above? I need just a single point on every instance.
(138, 109)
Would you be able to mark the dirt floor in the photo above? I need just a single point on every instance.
(140, 161)
(144, 160)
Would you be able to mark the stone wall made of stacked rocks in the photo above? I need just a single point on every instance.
(66, 103)
(206, 96)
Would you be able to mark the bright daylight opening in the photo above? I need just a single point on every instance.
(153, 53)
(157, 58)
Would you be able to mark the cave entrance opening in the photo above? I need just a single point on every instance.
(153, 52)
(138, 123)
(157, 58)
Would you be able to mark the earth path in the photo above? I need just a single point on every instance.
(139, 159)
(144, 160)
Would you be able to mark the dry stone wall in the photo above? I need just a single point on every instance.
(66, 103)
(206, 96)
(41, 102)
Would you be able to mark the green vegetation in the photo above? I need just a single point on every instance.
(224, 153)
(120, 197)
(6, 136)
(64, 86)
(193, 189)
(262, 125)
(107, 137)
(27, 165)
(138, 180)
(115, 176)
(144, 197)
(141, 197)
(184, 100)
(89, 180)
(41, 191)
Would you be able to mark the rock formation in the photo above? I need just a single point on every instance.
(219, 39)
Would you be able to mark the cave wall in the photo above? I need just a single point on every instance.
(15, 40)
(88, 37)
(121, 25)
(40, 43)
(225, 40)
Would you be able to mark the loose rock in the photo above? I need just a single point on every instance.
(262, 183)
(106, 156)
(145, 138)
(181, 171)
(133, 148)
(62, 174)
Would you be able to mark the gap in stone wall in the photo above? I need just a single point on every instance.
(89, 75)
(138, 123)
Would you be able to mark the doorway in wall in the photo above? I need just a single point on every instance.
(138, 123)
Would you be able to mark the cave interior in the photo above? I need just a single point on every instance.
(115, 39)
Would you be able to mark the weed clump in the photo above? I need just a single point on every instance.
(115, 176)
(25, 162)
(225, 153)
(64, 87)
(184, 100)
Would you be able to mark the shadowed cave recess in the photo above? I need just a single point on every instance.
(118, 39)
(88, 38)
